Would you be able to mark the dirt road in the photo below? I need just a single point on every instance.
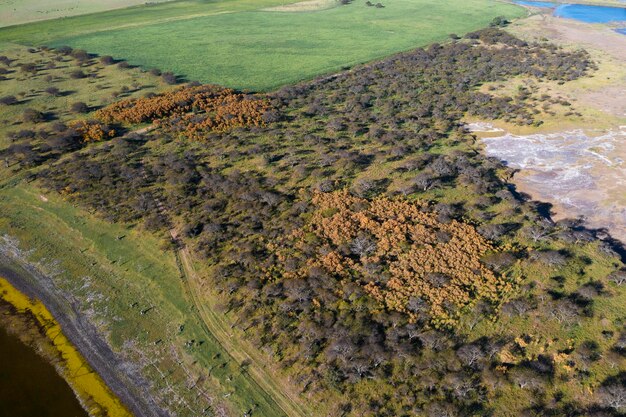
(285, 399)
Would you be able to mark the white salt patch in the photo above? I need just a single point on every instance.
(581, 173)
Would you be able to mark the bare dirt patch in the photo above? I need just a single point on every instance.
(305, 6)
(580, 175)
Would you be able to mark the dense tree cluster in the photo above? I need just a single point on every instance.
(399, 252)
(338, 231)
(192, 110)
(92, 131)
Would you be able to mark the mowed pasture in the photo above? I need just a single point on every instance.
(16, 12)
(259, 49)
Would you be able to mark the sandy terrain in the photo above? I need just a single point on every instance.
(581, 175)
(577, 163)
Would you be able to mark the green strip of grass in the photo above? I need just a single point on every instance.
(38, 33)
(262, 50)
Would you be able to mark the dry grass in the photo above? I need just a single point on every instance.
(305, 6)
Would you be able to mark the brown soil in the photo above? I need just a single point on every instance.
(600, 98)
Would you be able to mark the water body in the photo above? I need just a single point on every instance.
(582, 12)
(30, 386)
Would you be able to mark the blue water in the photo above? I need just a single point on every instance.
(582, 12)
(591, 14)
(544, 4)
(622, 31)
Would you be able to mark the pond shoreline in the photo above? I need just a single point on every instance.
(120, 378)
(36, 368)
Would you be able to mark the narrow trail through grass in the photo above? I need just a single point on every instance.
(217, 325)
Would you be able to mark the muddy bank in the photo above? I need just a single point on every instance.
(576, 160)
(31, 384)
(119, 376)
(581, 174)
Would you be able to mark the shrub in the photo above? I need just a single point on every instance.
(8, 100)
(107, 60)
(169, 78)
(64, 50)
(92, 131)
(79, 107)
(58, 127)
(32, 116)
(399, 237)
(28, 68)
(53, 91)
(499, 21)
(77, 74)
(192, 110)
(80, 55)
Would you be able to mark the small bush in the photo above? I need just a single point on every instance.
(169, 78)
(499, 21)
(79, 107)
(32, 116)
(58, 127)
(77, 74)
(8, 100)
(80, 55)
(28, 68)
(107, 60)
(64, 50)
(53, 91)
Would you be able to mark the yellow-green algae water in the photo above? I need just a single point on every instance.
(91, 390)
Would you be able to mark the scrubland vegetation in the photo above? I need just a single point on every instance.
(192, 111)
(43, 90)
(377, 261)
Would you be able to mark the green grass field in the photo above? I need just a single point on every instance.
(228, 43)
(38, 33)
(16, 12)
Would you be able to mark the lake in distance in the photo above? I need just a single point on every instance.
(582, 12)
